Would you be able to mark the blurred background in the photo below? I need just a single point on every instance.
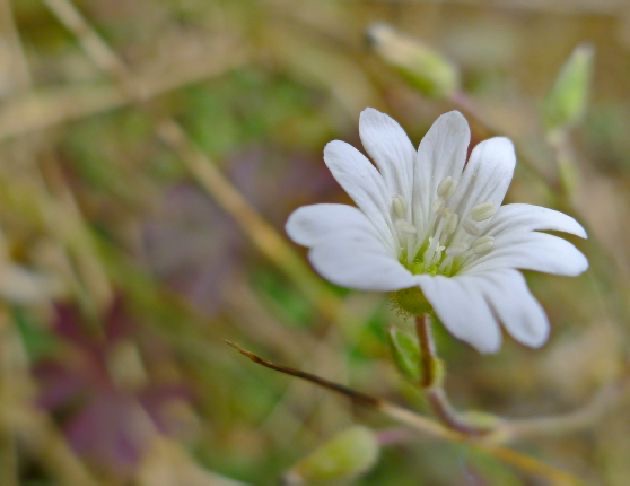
(150, 153)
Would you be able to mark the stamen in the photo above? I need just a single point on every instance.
(446, 264)
(398, 207)
(471, 228)
(446, 187)
(483, 211)
(451, 223)
(405, 227)
(456, 250)
(483, 245)
(439, 207)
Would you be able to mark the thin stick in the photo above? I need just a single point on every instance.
(419, 423)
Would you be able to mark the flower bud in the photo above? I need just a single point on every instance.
(427, 70)
(347, 455)
(566, 103)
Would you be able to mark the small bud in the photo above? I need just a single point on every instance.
(426, 69)
(406, 353)
(566, 103)
(346, 456)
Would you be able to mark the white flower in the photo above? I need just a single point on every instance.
(429, 220)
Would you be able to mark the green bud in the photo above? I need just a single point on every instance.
(426, 69)
(566, 103)
(347, 455)
(406, 353)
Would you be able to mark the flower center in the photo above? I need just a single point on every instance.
(451, 238)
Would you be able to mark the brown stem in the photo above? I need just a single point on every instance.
(355, 396)
(431, 384)
(422, 424)
(427, 351)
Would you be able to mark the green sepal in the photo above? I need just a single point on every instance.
(439, 372)
(411, 301)
(406, 353)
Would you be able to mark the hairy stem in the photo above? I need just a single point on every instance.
(428, 356)
(418, 423)
(431, 383)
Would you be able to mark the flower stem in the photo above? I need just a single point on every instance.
(431, 382)
(419, 423)
(427, 352)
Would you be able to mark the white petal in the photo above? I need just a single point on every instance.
(525, 217)
(442, 152)
(487, 175)
(460, 305)
(363, 183)
(309, 224)
(515, 306)
(390, 148)
(532, 251)
(356, 260)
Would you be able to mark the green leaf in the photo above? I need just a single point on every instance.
(424, 68)
(566, 103)
(346, 456)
